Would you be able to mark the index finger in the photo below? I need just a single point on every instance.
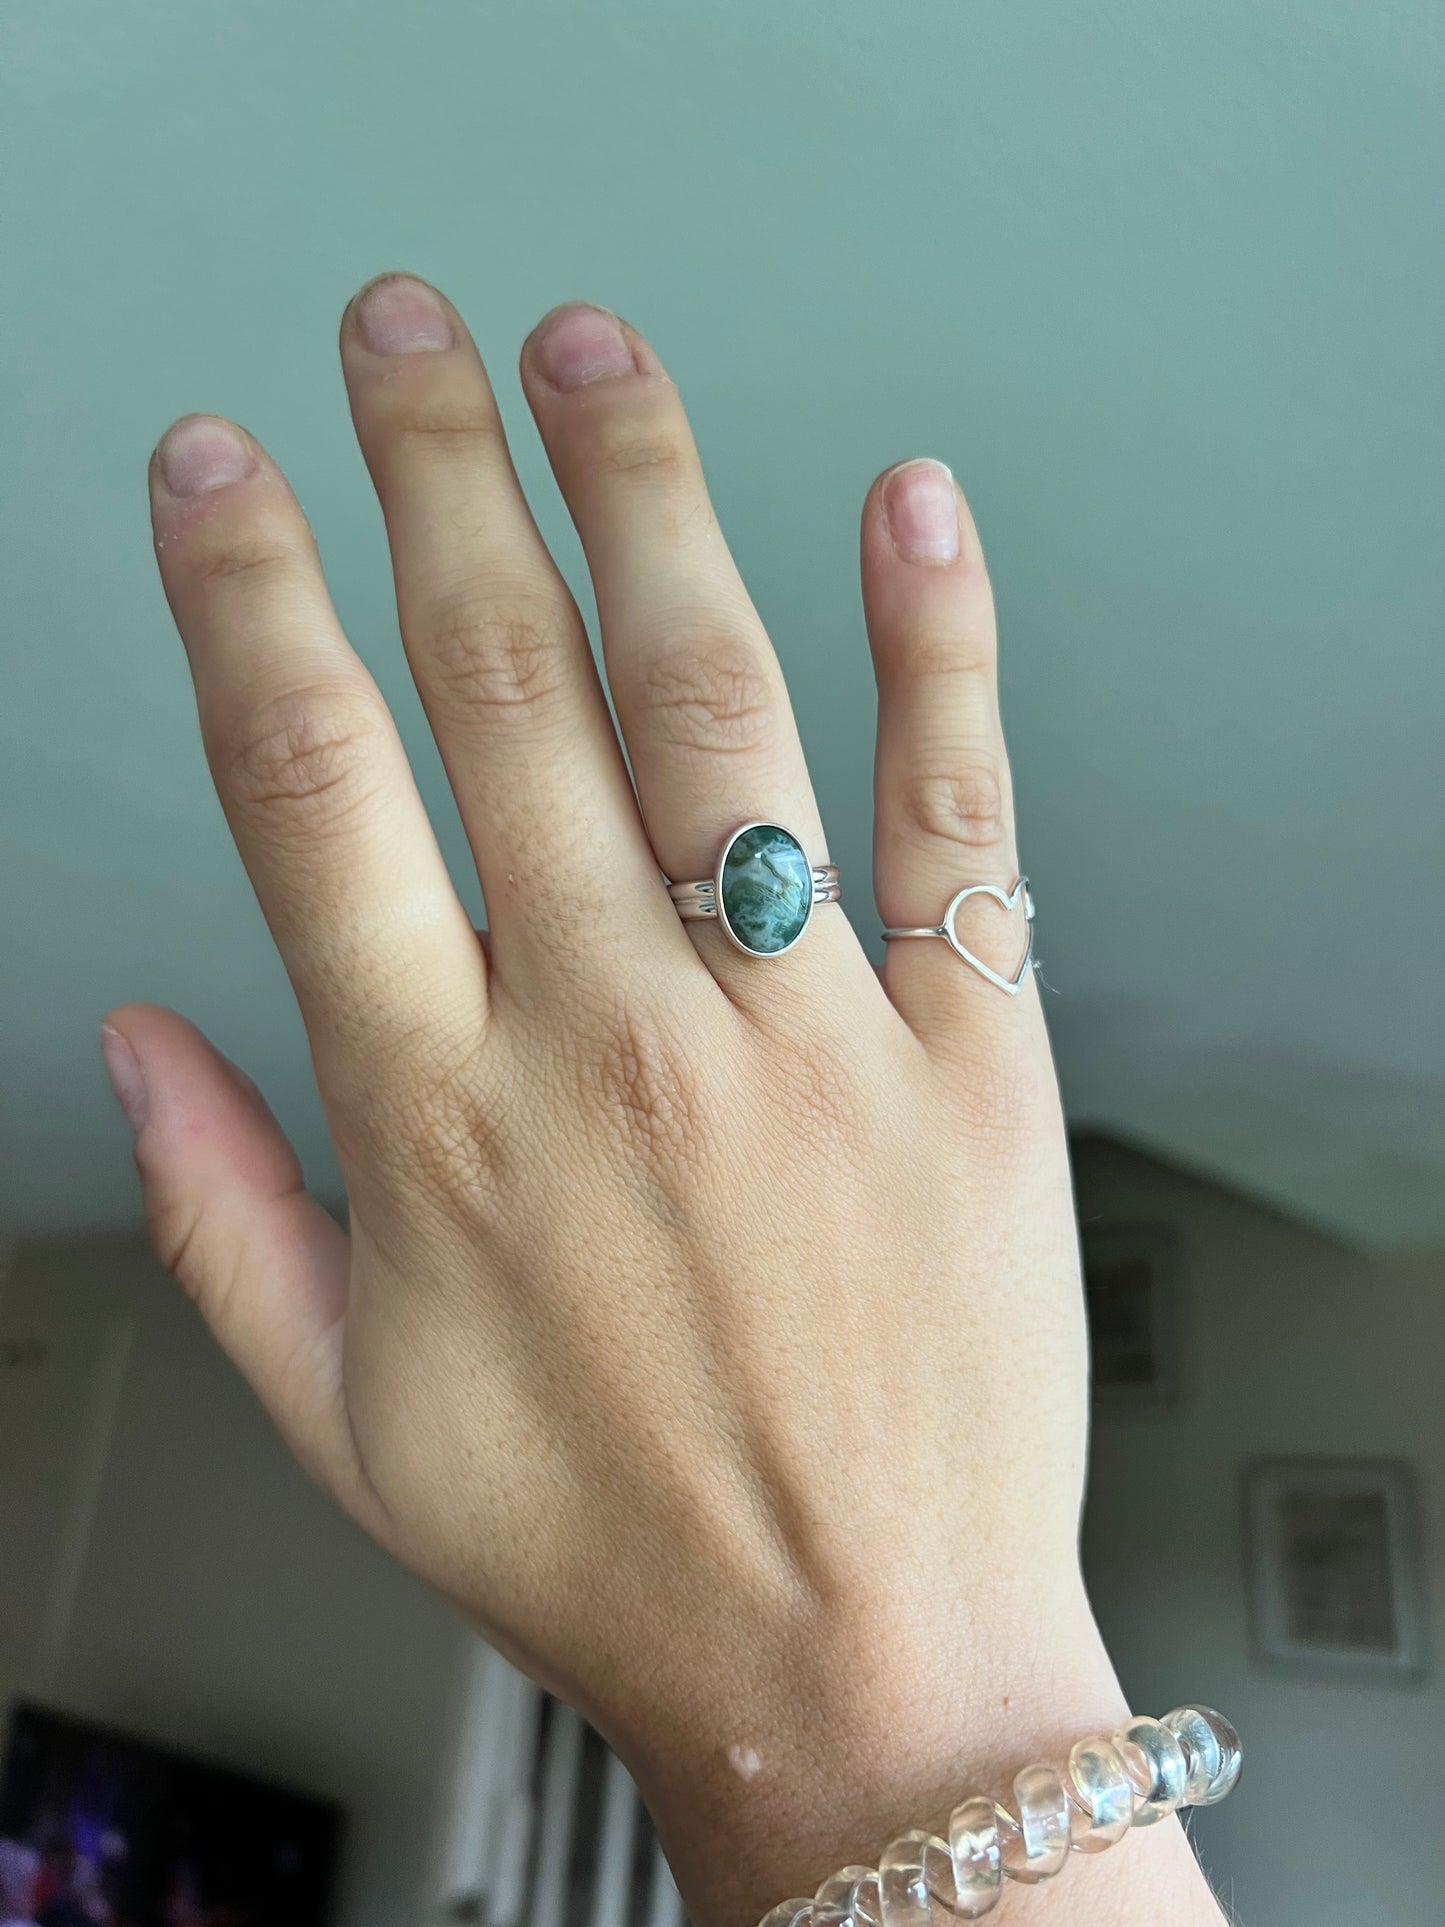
(307, 762)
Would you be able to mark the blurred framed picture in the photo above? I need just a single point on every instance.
(1130, 1293)
(1332, 1551)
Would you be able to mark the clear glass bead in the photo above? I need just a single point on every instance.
(1036, 1847)
(1154, 1761)
(915, 1880)
(789, 1913)
(868, 1899)
(1136, 1777)
(973, 1845)
(848, 1898)
(1101, 1796)
(1212, 1754)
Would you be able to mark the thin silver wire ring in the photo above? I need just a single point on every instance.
(948, 930)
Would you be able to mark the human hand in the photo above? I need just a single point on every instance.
(709, 1328)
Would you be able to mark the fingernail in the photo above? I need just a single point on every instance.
(921, 504)
(122, 1067)
(202, 453)
(401, 316)
(578, 344)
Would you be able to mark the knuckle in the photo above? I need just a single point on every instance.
(451, 1156)
(713, 697)
(630, 451)
(967, 658)
(486, 652)
(639, 1066)
(308, 750)
(439, 422)
(960, 805)
(254, 563)
(447, 1139)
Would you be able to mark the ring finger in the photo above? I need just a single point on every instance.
(944, 816)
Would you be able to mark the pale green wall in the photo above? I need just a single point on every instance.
(1161, 280)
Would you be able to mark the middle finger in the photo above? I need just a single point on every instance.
(698, 689)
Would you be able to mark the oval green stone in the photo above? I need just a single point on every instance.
(767, 888)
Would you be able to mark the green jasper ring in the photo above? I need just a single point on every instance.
(762, 892)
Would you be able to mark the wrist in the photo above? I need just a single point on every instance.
(883, 1719)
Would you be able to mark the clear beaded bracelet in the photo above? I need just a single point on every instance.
(1134, 1778)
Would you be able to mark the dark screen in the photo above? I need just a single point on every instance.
(128, 1834)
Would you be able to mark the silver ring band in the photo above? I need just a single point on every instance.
(696, 900)
(763, 890)
(948, 930)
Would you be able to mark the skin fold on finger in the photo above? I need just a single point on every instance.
(307, 764)
(698, 689)
(496, 643)
(944, 816)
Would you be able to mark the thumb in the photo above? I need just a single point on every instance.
(230, 1219)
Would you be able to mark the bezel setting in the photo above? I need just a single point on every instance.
(762, 823)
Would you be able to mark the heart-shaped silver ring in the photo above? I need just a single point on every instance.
(948, 930)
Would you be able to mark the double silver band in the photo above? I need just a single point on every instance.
(948, 930)
(696, 900)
